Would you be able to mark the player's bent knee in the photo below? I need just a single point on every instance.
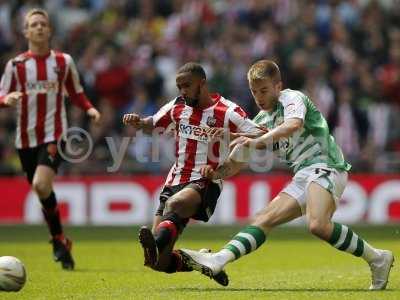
(42, 188)
(319, 228)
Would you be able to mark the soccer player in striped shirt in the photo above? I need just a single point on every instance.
(300, 136)
(197, 117)
(34, 82)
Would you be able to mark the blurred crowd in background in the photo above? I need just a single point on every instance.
(344, 54)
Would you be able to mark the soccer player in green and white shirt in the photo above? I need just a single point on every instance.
(300, 136)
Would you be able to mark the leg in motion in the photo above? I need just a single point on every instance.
(320, 208)
(42, 184)
(158, 247)
(282, 209)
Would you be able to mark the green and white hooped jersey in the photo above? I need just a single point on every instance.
(313, 143)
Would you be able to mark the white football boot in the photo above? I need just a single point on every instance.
(380, 269)
(204, 262)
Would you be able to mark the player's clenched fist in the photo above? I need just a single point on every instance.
(12, 98)
(94, 114)
(207, 172)
(131, 119)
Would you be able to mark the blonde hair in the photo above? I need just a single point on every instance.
(264, 69)
(35, 11)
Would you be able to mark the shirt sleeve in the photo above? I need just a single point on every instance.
(294, 107)
(239, 122)
(163, 118)
(74, 87)
(7, 83)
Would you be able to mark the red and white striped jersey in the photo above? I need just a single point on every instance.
(44, 82)
(193, 148)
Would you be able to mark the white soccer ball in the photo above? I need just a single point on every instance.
(12, 274)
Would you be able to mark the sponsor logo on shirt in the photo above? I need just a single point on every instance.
(282, 144)
(193, 132)
(41, 87)
(185, 114)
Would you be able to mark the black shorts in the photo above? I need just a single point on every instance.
(44, 154)
(208, 190)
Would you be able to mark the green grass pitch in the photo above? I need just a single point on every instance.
(109, 265)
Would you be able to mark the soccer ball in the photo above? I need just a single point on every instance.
(12, 274)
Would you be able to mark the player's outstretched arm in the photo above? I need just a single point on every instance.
(251, 135)
(286, 129)
(146, 124)
(228, 169)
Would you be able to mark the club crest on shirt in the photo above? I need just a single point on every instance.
(185, 114)
(211, 121)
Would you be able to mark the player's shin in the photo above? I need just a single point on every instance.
(166, 234)
(344, 239)
(168, 230)
(52, 215)
(246, 241)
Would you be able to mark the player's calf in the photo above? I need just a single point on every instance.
(321, 229)
(168, 230)
(265, 220)
(158, 248)
(380, 261)
(281, 209)
(167, 261)
(51, 214)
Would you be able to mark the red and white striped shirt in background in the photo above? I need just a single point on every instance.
(44, 82)
(193, 148)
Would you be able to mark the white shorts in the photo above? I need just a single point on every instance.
(330, 179)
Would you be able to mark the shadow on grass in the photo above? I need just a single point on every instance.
(271, 290)
(104, 270)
